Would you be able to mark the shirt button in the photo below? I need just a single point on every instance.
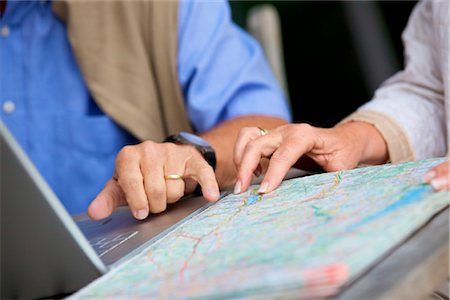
(4, 31)
(8, 107)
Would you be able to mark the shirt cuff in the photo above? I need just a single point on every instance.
(399, 146)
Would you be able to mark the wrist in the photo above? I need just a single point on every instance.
(368, 141)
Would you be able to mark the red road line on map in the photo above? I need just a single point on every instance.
(188, 236)
(337, 181)
(152, 260)
(199, 240)
(186, 262)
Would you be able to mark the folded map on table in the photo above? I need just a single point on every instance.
(306, 239)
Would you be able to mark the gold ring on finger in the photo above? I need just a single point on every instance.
(173, 177)
(263, 131)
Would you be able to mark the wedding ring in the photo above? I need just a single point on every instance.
(263, 131)
(173, 177)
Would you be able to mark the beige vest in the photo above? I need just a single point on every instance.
(127, 52)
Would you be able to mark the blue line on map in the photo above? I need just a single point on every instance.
(318, 212)
(252, 199)
(414, 195)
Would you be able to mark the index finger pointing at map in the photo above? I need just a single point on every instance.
(246, 135)
(280, 163)
(262, 147)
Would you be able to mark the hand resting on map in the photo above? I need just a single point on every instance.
(339, 148)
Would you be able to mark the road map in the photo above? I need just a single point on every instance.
(308, 238)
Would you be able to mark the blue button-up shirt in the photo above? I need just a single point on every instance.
(47, 106)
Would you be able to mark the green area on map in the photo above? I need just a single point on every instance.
(307, 238)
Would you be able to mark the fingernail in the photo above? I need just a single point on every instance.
(263, 187)
(141, 214)
(237, 187)
(439, 183)
(430, 175)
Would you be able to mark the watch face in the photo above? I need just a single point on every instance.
(194, 139)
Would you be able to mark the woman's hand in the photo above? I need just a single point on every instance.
(338, 148)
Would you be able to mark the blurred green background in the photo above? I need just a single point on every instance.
(326, 79)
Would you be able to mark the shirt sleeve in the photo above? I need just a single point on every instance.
(222, 70)
(408, 109)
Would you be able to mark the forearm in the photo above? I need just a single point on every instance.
(223, 137)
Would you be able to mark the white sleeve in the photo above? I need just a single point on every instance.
(414, 97)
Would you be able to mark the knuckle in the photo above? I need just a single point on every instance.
(284, 154)
(174, 195)
(200, 170)
(249, 132)
(192, 152)
(149, 147)
(130, 183)
(299, 130)
(125, 154)
(158, 207)
(246, 130)
(170, 147)
(302, 127)
(246, 133)
(156, 192)
(181, 153)
(252, 146)
(205, 169)
(194, 159)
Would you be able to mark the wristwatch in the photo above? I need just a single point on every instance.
(186, 138)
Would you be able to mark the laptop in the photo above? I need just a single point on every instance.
(44, 252)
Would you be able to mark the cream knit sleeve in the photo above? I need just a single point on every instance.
(408, 109)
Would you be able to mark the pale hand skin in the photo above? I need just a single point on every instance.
(139, 182)
(340, 148)
(439, 177)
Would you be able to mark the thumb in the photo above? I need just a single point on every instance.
(106, 201)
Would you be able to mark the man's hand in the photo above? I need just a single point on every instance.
(338, 148)
(439, 177)
(139, 181)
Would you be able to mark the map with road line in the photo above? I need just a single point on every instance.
(306, 239)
